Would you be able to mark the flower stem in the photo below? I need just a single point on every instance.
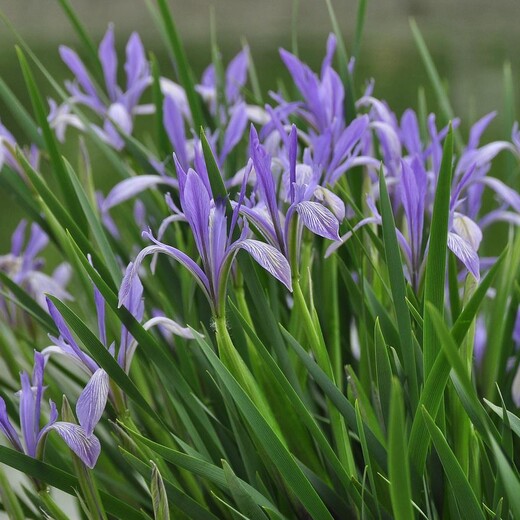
(240, 371)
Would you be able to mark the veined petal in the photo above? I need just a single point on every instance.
(464, 251)
(332, 201)
(467, 229)
(28, 412)
(86, 447)
(172, 252)
(67, 336)
(92, 401)
(196, 207)
(318, 219)
(261, 220)
(269, 258)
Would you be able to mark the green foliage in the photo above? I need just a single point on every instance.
(354, 397)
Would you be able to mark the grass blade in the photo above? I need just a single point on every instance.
(398, 287)
(62, 480)
(462, 489)
(398, 466)
(436, 263)
(286, 465)
(183, 68)
(435, 79)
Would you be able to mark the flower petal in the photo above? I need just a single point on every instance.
(176, 254)
(464, 251)
(131, 187)
(234, 131)
(77, 67)
(236, 75)
(86, 447)
(318, 219)
(269, 258)
(92, 401)
(108, 58)
(467, 229)
(174, 126)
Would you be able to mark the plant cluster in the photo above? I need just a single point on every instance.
(279, 310)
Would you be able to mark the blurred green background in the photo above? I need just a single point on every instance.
(469, 39)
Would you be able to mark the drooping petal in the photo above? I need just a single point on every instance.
(86, 447)
(269, 258)
(464, 251)
(92, 401)
(318, 219)
(172, 252)
(331, 201)
(467, 229)
(170, 326)
(131, 187)
(67, 336)
(507, 194)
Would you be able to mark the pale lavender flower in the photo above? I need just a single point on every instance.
(235, 79)
(411, 169)
(116, 105)
(334, 146)
(79, 438)
(23, 265)
(67, 346)
(7, 144)
(306, 199)
(215, 244)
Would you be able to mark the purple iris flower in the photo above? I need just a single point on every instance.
(411, 168)
(302, 187)
(234, 80)
(215, 244)
(79, 438)
(335, 147)
(66, 345)
(24, 267)
(7, 144)
(117, 106)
